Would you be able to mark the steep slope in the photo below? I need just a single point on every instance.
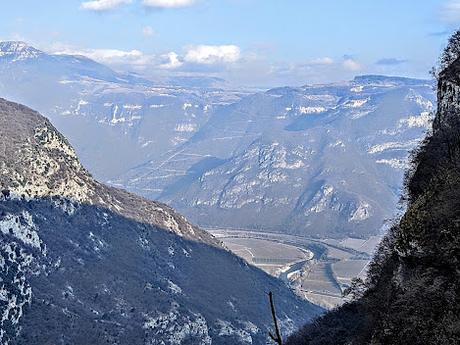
(324, 160)
(413, 294)
(38, 162)
(82, 263)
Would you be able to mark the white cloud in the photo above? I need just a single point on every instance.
(108, 56)
(321, 61)
(351, 65)
(202, 55)
(207, 55)
(112, 56)
(170, 61)
(103, 5)
(148, 31)
(450, 12)
(168, 3)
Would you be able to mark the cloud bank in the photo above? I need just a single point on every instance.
(108, 56)
(103, 5)
(208, 55)
(351, 64)
(170, 61)
(168, 3)
(189, 59)
(229, 62)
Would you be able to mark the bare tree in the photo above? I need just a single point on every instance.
(277, 337)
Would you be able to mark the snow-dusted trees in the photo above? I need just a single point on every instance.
(451, 52)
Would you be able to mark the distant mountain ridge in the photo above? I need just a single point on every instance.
(374, 78)
(86, 100)
(83, 263)
(323, 160)
(17, 51)
(318, 160)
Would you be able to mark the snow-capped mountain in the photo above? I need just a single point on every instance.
(22, 60)
(14, 51)
(324, 160)
(83, 263)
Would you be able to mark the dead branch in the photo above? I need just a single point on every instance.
(277, 337)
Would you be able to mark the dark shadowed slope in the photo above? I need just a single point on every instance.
(81, 263)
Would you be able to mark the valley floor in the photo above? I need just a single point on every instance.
(317, 269)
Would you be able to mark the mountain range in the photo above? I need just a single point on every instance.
(317, 160)
(320, 161)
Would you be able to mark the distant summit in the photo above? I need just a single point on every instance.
(18, 51)
(382, 79)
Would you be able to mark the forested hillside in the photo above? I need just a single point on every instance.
(412, 293)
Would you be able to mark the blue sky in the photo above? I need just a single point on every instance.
(248, 42)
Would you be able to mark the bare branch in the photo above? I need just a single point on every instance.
(277, 339)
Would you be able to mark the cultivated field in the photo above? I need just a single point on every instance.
(268, 255)
(318, 270)
(346, 270)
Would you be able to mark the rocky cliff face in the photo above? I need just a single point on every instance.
(413, 286)
(82, 263)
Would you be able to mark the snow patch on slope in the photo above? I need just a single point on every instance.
(423, 120)
(399, 164)
(186, 127)
(356, 103)
(22, 228)
(362, 212)
(393, 146)
(176, 327)
(311, 110)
